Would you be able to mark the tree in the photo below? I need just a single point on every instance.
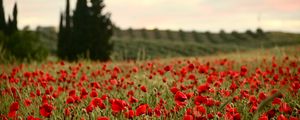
(101, 32)
(130, 32)
(209, 36)
(251, 34)
(260, 32)
(223, 35)
(169, 35)
(61, 47)
(2, 17)
(182, 35)
(81, 32)
(237, 36)
(14, 25)
(196, 36)
(87, 33)
(156, 34)
(144, 34)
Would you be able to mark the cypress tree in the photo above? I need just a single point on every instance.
(61, 51)
(15, 19)
(9, 26)
(87, 33)
(101, 31)
(80, 34)
(2, 17)
(67, 31)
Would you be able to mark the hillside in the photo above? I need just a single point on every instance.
(135, 44)
(141, 44)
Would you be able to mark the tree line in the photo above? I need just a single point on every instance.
(181, 35)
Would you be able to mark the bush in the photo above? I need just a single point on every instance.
(24, 46)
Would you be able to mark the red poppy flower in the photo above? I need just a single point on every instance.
(72, 93)
(200, 100)
(118, 105)
(276, 101)
(67, 112)
(70, 100)
(94, 93)
(188, 117)
(199, 111)
(14, 107)
(180, 98)
(83, 93)
(32, 118)
(89, 108)
(143, 88)
(130, 114)
(203, 88)
(167, 68)
(46, 110)
(102, 118)
(284, 107)
(97, 102)
(174, 90)
(142, 109)
(263, 117)
(27, 102)
(262, 96)
(132, 100)
(281, 117)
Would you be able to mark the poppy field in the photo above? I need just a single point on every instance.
(264, 87)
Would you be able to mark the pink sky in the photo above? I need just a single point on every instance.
(201, 15)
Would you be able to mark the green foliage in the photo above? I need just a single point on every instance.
(148, 49)
(2, 17)
(223, 35)
(3, 55)
(10, 26)
(210, 37)
(169, 35)
(144, 34)
(156, 34)
(131, 33)
(260, 32)
(23, 46)
(196, 36)
(238, 37)
(251, 34)
(182, 35)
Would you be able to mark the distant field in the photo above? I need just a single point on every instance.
(143, 44)
(140, 49)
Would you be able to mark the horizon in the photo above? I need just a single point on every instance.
(199, 15)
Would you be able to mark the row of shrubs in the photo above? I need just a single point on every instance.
(181, 35)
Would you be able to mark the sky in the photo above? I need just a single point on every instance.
(199, 15)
